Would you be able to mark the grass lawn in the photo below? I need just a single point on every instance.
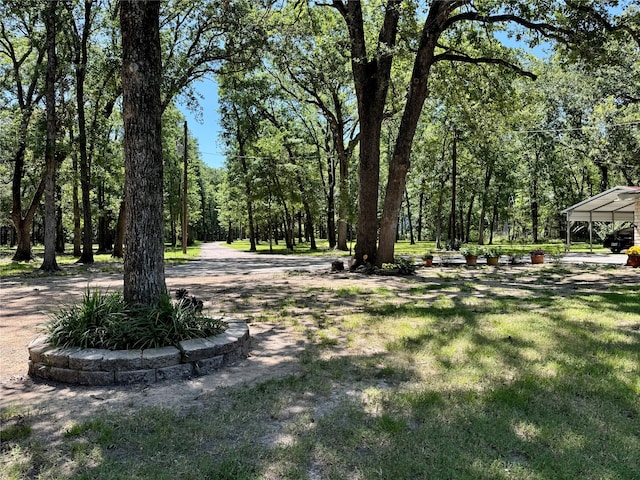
(515, 373)
(303, 248)
(405, 248)
(67, 262)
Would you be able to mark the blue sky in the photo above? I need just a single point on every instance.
(207, 129)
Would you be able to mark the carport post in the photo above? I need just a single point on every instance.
(636, 223)
(568, 247)
(590, 232)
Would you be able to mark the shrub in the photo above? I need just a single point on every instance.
(104, 320)
(405, 266)
(492, 251)
(468, 250)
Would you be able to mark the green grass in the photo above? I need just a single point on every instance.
(281, 249)
(476, 380)
(406, 249)
(68, 263)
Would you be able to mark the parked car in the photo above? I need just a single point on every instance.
(619, 240)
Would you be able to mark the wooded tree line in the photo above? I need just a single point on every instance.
(86, 92)
(429, 120)
(342, 120)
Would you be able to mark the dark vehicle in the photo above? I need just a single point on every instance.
(619, 240)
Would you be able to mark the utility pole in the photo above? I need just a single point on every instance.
(185, 199)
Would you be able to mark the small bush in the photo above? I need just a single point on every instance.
(104, 320)
(404, 266)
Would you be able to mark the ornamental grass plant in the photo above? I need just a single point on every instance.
(104, 320)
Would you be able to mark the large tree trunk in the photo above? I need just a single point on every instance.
(80, 61)
(49, 262)
(22, 223)
(371, 81)
(343, 171)
(144, 280)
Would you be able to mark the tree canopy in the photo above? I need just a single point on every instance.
(341, 120)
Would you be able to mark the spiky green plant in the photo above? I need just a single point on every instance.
(104, 320)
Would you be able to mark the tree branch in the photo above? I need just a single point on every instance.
(479, 60)
(548, 30)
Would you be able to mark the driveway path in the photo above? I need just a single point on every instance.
(216, 259)
(26, 302)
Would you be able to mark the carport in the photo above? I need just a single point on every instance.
(618, 204)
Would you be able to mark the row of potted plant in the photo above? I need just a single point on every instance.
(472, 252)
(492, 253)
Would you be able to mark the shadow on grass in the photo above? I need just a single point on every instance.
(359, 417)
(488, 384)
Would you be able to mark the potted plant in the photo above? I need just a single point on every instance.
(633, 258)
(427, 259)
(470, 253)
(537, 256)
(492, 254)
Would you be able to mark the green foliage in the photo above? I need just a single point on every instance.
(469, 250)
(491, 251)
(407, 266)
(104, 320)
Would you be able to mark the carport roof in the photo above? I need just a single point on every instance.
(616, 204)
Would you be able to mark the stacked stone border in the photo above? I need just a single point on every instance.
(199, 356)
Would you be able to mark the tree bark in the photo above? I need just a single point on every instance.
(416, 96)
(144, 280)
(331, 206)
(77, 227)
(467, 231)
(105, 237)
(27, 99)
(49, 262)
(371, 81)
(80, 65)
(22, 223)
